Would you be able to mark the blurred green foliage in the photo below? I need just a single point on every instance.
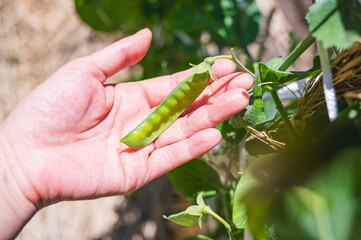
(181, 29)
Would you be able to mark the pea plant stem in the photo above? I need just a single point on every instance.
(297, 52)
(226, 208)
(208, 210)
(294, 55)
(283, 113)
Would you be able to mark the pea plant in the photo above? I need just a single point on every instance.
(287, 168)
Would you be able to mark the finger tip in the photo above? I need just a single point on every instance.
(146, 32)
(248, 80)
(230, 103)
(216, 137)
(217, 134)
(242, 80)
(213, 136)
(223, 67)
(136, 46)
(245, 94)
(243, 98)
(205, 140)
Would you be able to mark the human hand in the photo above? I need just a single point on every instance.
(62, 140)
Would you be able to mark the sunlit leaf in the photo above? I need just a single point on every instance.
(194, 210)
(269, 74)
(183, 219)
(200, 200)
(335, 22)
(254, 113)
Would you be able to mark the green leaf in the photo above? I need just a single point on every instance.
(335, 22)
(183, 219)
(194, 177)
(255, 114)
(110, 16)
(268, 73)
(326, 206)
(270, 110)
(199, 211)
(232, 134)
(200, 219)
(258, 210)
(200, 200)
(274, 63)
(317, 205)
(194, 210)
(198, 237)
(247, 182)
(243, 194)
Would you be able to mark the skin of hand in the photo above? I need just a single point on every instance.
(62, 140)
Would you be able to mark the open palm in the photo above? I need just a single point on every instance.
(65, 134)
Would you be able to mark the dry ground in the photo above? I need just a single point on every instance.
(39, 36)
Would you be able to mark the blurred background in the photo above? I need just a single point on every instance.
(39, 36)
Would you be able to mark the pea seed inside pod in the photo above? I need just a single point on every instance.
(155, 121)
(164, 112)
(147, 129)
(171, 103)
(185, 88)
(179, 95)
(138, 135)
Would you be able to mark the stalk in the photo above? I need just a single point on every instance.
(294, 55)
(297, 52)
(208, 210)
(283, 113)
(226, 209)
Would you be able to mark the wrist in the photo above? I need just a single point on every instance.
(16, 208)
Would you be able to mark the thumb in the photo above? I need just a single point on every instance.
(126, 52)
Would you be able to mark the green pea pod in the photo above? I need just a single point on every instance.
(170, 108)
